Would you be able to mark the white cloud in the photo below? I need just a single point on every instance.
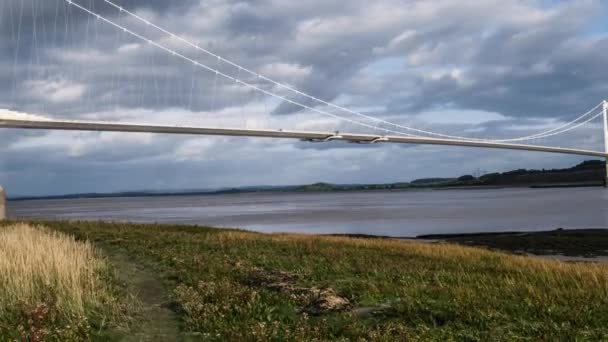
(14, 115)
(286, 72)
(55, 91)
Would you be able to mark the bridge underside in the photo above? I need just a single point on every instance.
(281, 134)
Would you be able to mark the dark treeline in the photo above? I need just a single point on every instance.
(588, 173)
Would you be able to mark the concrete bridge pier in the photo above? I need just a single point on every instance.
(2, 204)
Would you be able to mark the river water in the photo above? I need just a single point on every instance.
(403, 214)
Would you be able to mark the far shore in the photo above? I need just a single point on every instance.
(289, 191)
(590, 173)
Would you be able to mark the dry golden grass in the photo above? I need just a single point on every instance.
(52, 286)
(35, 262)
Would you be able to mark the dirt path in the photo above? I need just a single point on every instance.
(158, 323)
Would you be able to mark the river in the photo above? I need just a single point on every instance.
(402, 213)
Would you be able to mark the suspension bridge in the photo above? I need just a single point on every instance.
(370, 129)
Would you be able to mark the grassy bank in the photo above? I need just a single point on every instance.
(53, 287)
(235, 285)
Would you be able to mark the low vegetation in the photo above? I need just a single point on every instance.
(587, 243)
(236, 285)
(52, 287)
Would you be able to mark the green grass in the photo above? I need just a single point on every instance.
(235, 285)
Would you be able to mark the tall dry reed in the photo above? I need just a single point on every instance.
(38, 266)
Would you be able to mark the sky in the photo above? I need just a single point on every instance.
(491, 68)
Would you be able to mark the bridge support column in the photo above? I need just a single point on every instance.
(606, 140)
(2, 204)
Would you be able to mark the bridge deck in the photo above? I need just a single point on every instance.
(303, 135)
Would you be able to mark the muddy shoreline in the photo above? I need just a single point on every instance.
(560, 244)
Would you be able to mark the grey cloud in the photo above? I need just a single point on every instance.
(571, 84)
(514, 48)
(527, 63)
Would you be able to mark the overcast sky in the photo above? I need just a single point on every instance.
(491, 68)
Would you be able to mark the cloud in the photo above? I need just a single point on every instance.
(13, 115)
(59, 91)
(452, 66)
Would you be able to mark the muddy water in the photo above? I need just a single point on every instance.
(406, 213)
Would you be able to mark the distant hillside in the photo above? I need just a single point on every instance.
(588, 173)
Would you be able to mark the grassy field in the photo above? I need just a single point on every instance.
(234, 285)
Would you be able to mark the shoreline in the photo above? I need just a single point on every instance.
(569, 245)
(589, 244)
(572, 244)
